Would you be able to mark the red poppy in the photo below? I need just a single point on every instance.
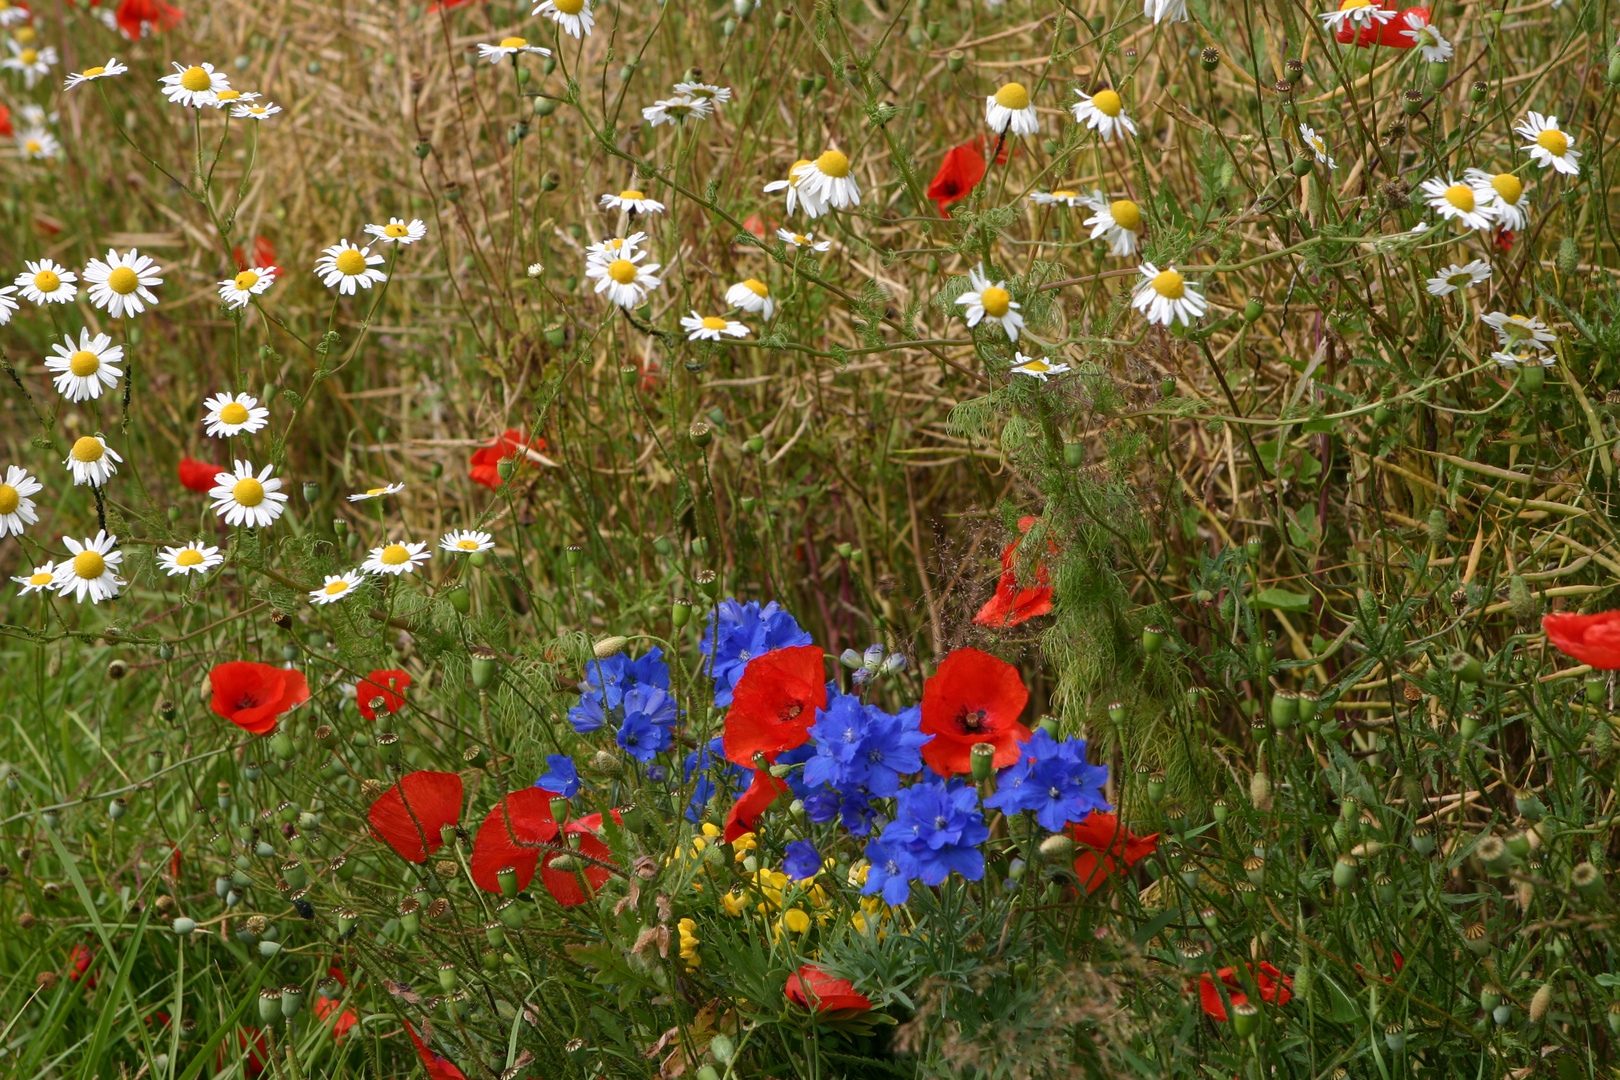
(775, 703)
(744, 815)
(381, 687)
(1591, 639)
(254, 1052)
(264, 255)
(1396, 34)
(1504, 240)
(757, 225)
(176, 862)
(80, 960)
(510, 836)
(198, 475)
(1387, 33)
(135, 17)
(325, 1007)
(252, 695)
(563, 885)
(486, 460)
(1012, 605)
(409, 816)
(973, 698)
(437, 1067)
(5, 122)
(1110, 848)
(812, 983)
(958, 174)
(1275, 988)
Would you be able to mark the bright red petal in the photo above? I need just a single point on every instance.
(811, 983)
(252, 695)
(775, 703)
(196, 475)
(564, 885)
(408, 817)
(1591, 639)
(973, 697)
(743, 817)
(958, 174)
(383, 685)
(510, 836)
(437, 1068)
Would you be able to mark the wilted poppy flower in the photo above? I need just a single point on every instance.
(1591, 639)
(136, 16)
(745, 812)
(381, 687)
(973, 698)
(408, 817)
(437, 1067)
(198, 475)
(325, 1007)
(252, 695)
(1275, 988)
(774, 703)
(563, 885)
(511, 835)
(486, 460)
(812, 984)
(958, 174)
(1012, 605)
(1108, 848)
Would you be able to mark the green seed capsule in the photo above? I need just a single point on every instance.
(1344, 872)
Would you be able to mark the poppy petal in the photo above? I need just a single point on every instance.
(510, 836)
(409, 816)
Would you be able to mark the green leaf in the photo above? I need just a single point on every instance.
(1282, 600)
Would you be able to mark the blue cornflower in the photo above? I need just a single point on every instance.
(702, 763)
(739, 632)
(939, 828)
(861, 746)
(620, 673)
(801, 862)
(1053, 779)
(891, 873)
(649, 722)
(560, 777)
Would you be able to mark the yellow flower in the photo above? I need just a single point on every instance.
(689, 942)
(795, 921)
(734, 903)
(744, 844)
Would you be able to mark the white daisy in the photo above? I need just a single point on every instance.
(242, 498)
(466, 542)
(1104, 113)
(753, 296)
(82, 373)
(13, 14)
(122, 285)
(1037, 367)
(16, 508)
(92, 461)
(615, 247)
(1160, 10)
(992, 303)
(346, 266)
(1119, 220)
(1456, 277)
(1456, 202)
(239, 291)
(1512, 361)
(233, 414)
(29, 61)
(336, 587)
(1357, 14)
(194, 559)
(38, 581)
(47, 282)
(1502, 194)
(825, 183)
(1317, 145)
(396, 558)
(1009, 109)
(795, 194)
(93, 569)
(8, 306)
(378, 492)
(1549, 146)
(254, 111)
(573, 16)
(1057, 197)
(634, 201)
(101, 71)
(194, 86)
(1428, 41)
(710, 327)
(37, 144)
(397, 231)
(1518, 331)
(509, 46)
(675, 110)
(625, 280)
(801, 240)
(232, 98)
(1164, 296)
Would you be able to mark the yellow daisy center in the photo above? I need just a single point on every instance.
(1461, 196)
(1169, 284)
(1348, 5)
(757, 287)
(1013, 96)
(1064, 193)
(336, 587)
(196, 80)
(395, 230)
(246, 280)
(89, 564)
(350, 262)
(1126, 214)
(375, 491)
(247, 492)
(28, 56)
(33, 146)
(1508, 188)
(394, 555)
(88, 448)
(713, 322)
(1553, 141)
(632, 193)
(9, 499)
(833, 163)
(1034, 365)
(996, 301)
(569, 7)
(227, 95)
(234, 413)
(514, 43)
(123, 281)
(189, 557)
(37, 580)
(1108, 103)
(84, 363)
(622, 270)
(92, 72)
(795, 167)
(25, 34)
(47, 281)
(467, 545)
(800, 238)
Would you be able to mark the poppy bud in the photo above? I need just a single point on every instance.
(1284, 708)
(485, 665)
(1260, 791)
(607, 764)
(981, 758)
(183, 926)
(1586, 879)
(1493, 852)
(1466, 668)
(782, 20)
(292, 1001)
(281, 744)
(1245, 1018)
(1057, 848)
(423, 149)
(1540, 1003)
(1210, 58)
(610, 646)
(269, 1005)
(1529, 805)
(680, 612)
(1152, 639)
(1074, 454)
(1302, 165)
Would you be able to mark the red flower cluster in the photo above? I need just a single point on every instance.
(135, 17)
(812, 984)
(1012, 605)
(1392, 34)
(410, 816)
(252, 695)
(774, 703)
(960, 173)
(1591, 639)
(1110, 849)
(973, 698)
(384, 688)
(1275, 989)
(520, 829)
(198, 475)
(486, 460)
(346, 1019)
(5, 122)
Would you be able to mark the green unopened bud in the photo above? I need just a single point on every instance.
(610, 646)
(722, 1049)
(1057, 848)
(1569, 256)
(184, 926)
(281, 745)
(607, 763)
(1437, 526)
(1521, 602)
(1597, 688)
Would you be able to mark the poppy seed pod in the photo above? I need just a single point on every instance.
(1423, 841)
(680, 612)
(1597, 688)
(981, 760)
(1529, 805)
(1221, 810)
(1586, 879)
(1057, 848)
(1152, 639)
(485, 665)
(700, 433)
(506, 878)
(511, 913)
(1490, 996)
(1210, 58)
(1255, 867)
(955, 59)
(183, 926)
(1155, 788)
(1493, 853)
(1344, 872)
(292, 1001)
(1284, 708)
(1468, 726)
(1412, 102)
(1395, 1036)
(449, 978)
(269, 1005)
(1245, 1018)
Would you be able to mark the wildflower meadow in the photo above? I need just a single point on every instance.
(810, 539)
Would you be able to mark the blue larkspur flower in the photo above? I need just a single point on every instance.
(708, 764)
(649, 722)
(890, 875)
(1054, 780)
(801, 861)
(737, 633)
(560, 777)
(939, 828)
(861, 746)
